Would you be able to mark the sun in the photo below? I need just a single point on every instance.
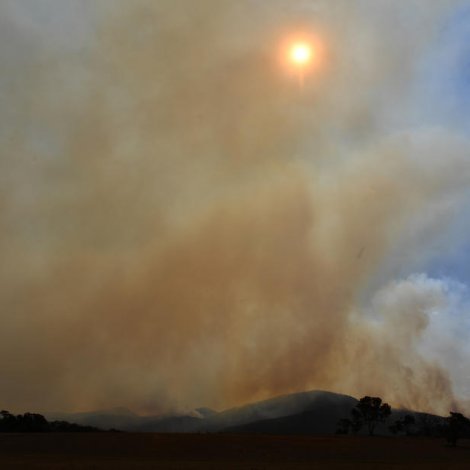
(301, 53)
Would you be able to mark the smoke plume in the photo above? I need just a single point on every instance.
(181, 225)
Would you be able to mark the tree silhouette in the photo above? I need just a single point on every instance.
(370, 411)
(33, 422)
(458, 426)
(403, 425)
(347, 425)
(7, 421)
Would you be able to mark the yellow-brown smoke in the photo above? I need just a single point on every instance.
(182, 226)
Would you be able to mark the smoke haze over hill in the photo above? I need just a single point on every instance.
(181, 225)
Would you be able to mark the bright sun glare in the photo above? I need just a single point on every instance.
(301, 53)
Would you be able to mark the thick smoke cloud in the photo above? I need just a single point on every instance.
(182, 226)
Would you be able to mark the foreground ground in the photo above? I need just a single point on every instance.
(224, 451)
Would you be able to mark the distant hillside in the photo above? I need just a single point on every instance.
(324, 421)
(320, 402)
(117, 418)
(314, 412)
(125, 420)
(207, 420)
(318, 416)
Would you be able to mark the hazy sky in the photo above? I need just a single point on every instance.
(182, 224)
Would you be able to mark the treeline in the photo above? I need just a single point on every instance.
(33, 422)
(370, 412)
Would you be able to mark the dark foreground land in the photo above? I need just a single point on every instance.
(225, 451)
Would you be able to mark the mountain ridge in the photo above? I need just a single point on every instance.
(309, 412)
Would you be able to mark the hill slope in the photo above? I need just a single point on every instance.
(314, 412)
(327, 408)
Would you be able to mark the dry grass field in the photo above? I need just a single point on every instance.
(223, 451)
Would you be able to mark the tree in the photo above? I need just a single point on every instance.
(458, 426)
(33, 422)
(370, 411)
(408, 423)
(347, 425)
(7, 421)
(403, 425)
